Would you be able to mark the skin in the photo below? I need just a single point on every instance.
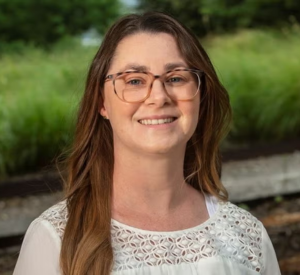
(148, 170)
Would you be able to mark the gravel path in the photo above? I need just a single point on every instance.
(8, 258)
(17, 213)
(15, 216)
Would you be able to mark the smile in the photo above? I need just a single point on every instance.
(156, 121)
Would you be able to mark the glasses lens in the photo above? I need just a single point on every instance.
(132, 86)
(182, 85)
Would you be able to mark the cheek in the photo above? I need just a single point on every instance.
(114, 107)
(191, 109)
(192, 116)
(121, 114)
(196, 108)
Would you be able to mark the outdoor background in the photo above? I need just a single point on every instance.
(46, 47)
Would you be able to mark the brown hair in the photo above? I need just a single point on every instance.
(86, 245)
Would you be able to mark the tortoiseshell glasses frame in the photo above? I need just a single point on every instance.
(135, 86)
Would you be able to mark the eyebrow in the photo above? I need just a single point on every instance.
(142, 68)
(135, 67)
(172, 66)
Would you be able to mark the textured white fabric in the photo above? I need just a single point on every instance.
(231, 241)
(211, 204)
(40, 250)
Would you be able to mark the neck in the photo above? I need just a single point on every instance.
(153, 182)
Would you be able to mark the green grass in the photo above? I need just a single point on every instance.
(40, 91)
(261, 71)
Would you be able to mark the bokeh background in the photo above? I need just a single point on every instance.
(46, 47)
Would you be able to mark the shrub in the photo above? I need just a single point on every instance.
(46, 21)
(261, 72)
(40, 92)
(215, 16)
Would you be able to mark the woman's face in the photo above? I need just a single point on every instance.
(133, 124)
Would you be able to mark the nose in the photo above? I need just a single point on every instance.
(158, 94)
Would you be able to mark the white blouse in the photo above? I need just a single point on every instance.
(231, 241)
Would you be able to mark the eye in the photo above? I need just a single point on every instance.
(175, 79)
(134, 82)
(134, 79)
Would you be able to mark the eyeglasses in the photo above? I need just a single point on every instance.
(135, 86)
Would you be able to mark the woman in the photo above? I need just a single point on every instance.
(143, 194)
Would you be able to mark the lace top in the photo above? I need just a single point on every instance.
(231, 241)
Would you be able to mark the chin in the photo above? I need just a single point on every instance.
(160, 149)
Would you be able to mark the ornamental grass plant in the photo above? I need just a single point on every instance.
(261, 70)
(40, 91)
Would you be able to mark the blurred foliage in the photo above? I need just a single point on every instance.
(260, 69)
(244, 206)
(42, 22)
(40, 91)
(278, 199)
(215, 16)
(39, 95)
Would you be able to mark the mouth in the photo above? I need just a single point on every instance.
(157, 121)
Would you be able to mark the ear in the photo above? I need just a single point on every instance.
(103, 111)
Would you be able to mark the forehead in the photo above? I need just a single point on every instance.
(151, 50)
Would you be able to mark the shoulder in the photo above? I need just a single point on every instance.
(252, 239)
(237, 216)
(40, 251)
(56, 216)
(240, 235)
(238, 221)
(242, 222)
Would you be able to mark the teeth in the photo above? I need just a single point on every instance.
(156, 121)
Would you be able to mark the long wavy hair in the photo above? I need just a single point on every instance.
(86, 245)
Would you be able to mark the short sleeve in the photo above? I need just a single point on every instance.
(40, 250)
(271, 266)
